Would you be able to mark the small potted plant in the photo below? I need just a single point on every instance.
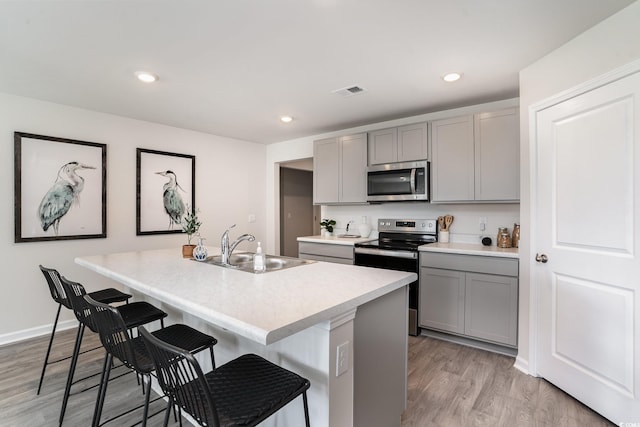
(327, 225)
(190, 225)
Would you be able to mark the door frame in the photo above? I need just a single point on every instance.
(589, 85)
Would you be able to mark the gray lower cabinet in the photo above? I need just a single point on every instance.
(472, 296)
(340, 254)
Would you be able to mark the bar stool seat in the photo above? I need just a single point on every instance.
(137, 314)
(242, 392)
(133, 353)
(52, 276)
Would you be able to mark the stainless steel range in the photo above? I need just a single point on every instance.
(397, 249)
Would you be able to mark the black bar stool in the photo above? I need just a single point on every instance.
(134, 314)
(132, 352)
(242, 392)
(108, 296)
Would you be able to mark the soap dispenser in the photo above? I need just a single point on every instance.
(200, 252)
(258, 259)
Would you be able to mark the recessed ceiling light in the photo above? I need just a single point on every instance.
(451, 77)
(145, 76)
(286, 119)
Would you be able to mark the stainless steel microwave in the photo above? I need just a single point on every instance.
(396, 182)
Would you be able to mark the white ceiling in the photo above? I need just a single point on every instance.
(232, 67)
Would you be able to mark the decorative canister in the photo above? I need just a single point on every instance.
(200, 252)
(515, 236)
(504, 239)
(500, 231)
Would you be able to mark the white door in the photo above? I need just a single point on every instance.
(588, 227)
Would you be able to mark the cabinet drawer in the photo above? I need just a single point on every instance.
(335, 251)
(335, 260)
(471, 263)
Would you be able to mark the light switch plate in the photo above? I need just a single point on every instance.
(342, 358)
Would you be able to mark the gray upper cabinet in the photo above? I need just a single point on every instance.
(400, 144)
(497, 155)
(452, 164)
(340, 170)
(476, 157)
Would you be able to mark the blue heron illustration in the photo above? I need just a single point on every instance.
(65, 191)
(173, 204)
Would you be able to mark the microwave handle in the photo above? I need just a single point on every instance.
(413, 180)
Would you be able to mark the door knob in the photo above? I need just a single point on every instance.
(542, 258)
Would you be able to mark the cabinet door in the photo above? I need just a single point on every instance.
(383, 146)
(413, 142)
(353, 169)
(497, 155)
(491, 304)
(452, 176)
(442, 299)
(326, 168)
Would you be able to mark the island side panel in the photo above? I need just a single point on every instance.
(380, 360)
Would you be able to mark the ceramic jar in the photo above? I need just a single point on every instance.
(364, 228)
(504, 239)
(515, 236)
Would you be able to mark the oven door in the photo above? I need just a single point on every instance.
(394, 260)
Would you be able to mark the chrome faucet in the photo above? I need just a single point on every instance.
(227, 249)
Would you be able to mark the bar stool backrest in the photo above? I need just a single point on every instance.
(55, 286)
(75, 293)
(181, 378)
(115, 337)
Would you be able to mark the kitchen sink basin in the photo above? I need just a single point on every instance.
(244, 261)
(349, 235)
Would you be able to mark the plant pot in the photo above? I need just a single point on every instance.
(187, 251)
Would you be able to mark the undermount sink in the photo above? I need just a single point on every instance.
(349, 235)
(244, 261)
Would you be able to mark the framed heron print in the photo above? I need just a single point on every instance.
(60, 188)
(165, 189)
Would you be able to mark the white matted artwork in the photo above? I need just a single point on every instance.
(165, 189)
(60, 188)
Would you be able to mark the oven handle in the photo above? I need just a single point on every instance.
(392, 254)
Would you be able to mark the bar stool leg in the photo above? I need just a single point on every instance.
(102, 391)
(46, 358)
(72, 368)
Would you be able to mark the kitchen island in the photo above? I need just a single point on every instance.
(342, 327)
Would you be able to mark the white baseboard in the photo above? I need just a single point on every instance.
(38, 331)
(522, 365)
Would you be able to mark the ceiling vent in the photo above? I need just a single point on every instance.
(349, 91)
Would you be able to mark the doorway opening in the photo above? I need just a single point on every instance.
(298, 215)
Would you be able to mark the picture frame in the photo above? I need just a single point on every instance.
(60, 188)
(165, 188)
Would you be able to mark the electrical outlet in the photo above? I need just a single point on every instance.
(483, 223)
(342, 358)
(252, 218)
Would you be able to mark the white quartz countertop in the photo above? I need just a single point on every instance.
(470, 249)
(263, 307)
(335, 240)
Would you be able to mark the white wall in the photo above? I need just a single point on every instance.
(229, 186)
(465, 226)
(610, 44)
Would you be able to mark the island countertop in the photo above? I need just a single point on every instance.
(263, 307)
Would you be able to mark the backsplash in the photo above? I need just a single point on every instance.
(465, 227)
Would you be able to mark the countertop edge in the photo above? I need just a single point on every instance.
(470, 249)
(335, 240)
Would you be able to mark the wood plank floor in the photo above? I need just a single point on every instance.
(449, 385)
